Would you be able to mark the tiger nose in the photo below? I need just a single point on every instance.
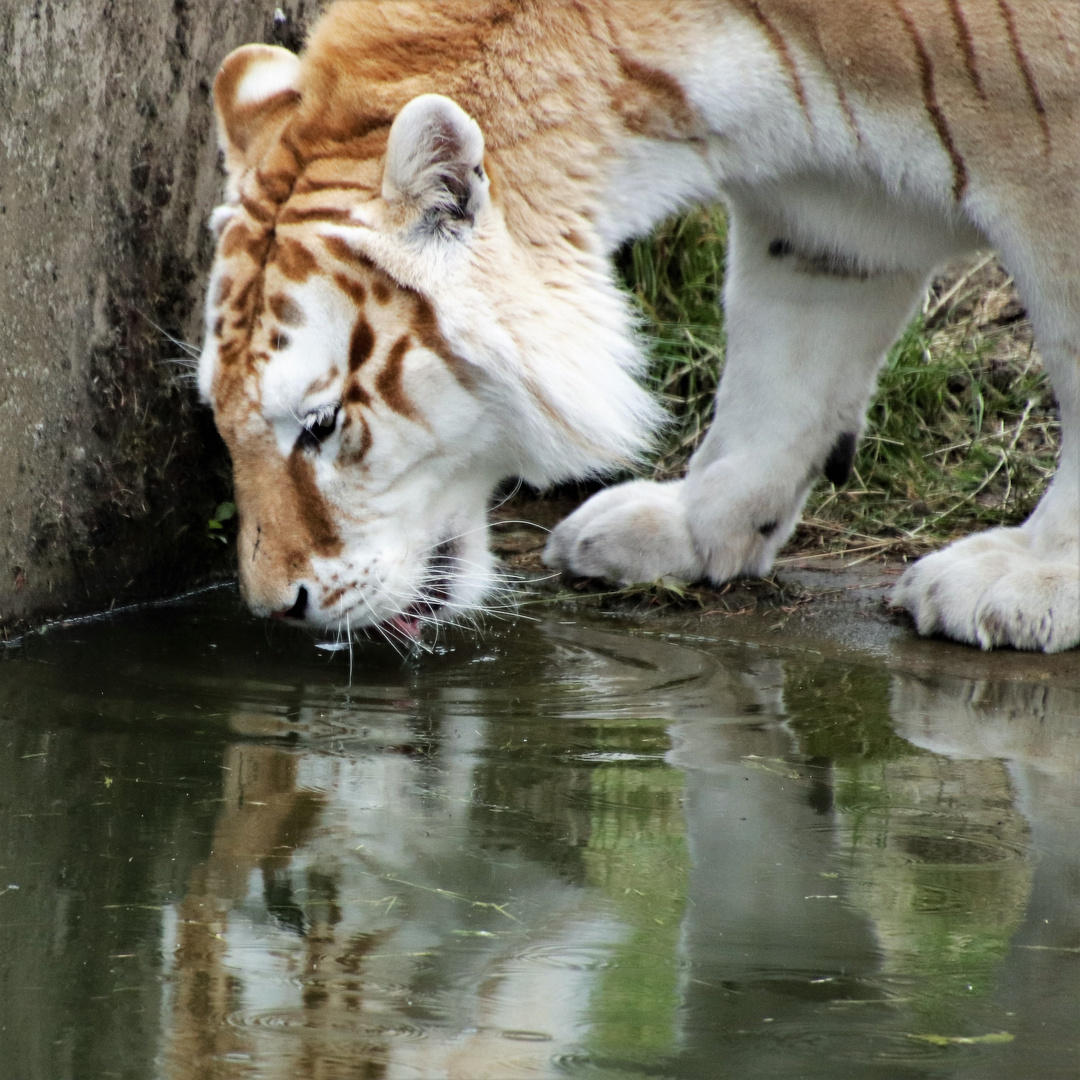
(298, 610)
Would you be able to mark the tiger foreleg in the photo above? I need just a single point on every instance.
(1016, 587)
(807, 330)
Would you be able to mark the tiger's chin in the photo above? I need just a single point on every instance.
(446, 598)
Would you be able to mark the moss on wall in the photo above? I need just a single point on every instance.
(109, 467)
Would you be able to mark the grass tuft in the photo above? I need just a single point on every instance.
(677, 278)
(961, 435)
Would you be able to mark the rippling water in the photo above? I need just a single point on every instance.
(563, 848)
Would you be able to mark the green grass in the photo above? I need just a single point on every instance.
(960, 436)
(677, 277)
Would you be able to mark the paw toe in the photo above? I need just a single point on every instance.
(636, 532)
(994, 594)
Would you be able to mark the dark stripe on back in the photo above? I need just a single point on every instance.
(244, 294)
(239, 238)
(277, 174)
(1025, 70)
(224, 288)
(260, 213)
(930, 103)
(293, 260)
(309, 186)
(776, 39)
(340, 249)
(849, 113)
(967, 47)
(841, 95)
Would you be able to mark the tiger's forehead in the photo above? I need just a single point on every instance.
(291, 292)
(294, 311)
(317, 325)
(271, 229)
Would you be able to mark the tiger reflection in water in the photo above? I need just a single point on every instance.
(355, 899)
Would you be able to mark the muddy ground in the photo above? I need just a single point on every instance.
(830, 606)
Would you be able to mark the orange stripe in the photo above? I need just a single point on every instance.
(841, 95)
(293, 260)
(306, 186)
(389, 384)
(849, 113)
(259, 213)
(356, 394)
(341, 250)
(352, 288)
(361, 344)
(357, 455)
(329, 215)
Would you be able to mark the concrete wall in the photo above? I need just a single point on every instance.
(108, 170)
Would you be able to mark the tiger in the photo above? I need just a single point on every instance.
(412, 297)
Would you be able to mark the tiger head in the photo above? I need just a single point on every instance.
(385, 344)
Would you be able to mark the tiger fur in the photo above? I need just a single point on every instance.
(412, 298)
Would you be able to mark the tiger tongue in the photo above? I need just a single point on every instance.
(406, 625)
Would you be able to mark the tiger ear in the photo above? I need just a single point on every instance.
(256, 87)
(435, 164)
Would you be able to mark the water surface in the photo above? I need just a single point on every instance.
(574, 847)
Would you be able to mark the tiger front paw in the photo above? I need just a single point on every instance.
(993, 590)
(630, 533)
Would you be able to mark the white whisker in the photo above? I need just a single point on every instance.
(192, 350)
(508, 496)
(348, 635)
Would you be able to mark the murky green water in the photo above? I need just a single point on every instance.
(568, 849)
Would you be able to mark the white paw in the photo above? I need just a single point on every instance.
(991, 590)
(629, 533)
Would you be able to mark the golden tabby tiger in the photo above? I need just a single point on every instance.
(412, 298)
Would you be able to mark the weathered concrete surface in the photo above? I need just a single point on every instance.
(108, 170)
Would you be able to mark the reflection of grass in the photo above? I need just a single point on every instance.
(952, 958)
(637, 856)
(903, 816)
(861, 791)
(961, 434)
(943, 926)
(841, 713)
